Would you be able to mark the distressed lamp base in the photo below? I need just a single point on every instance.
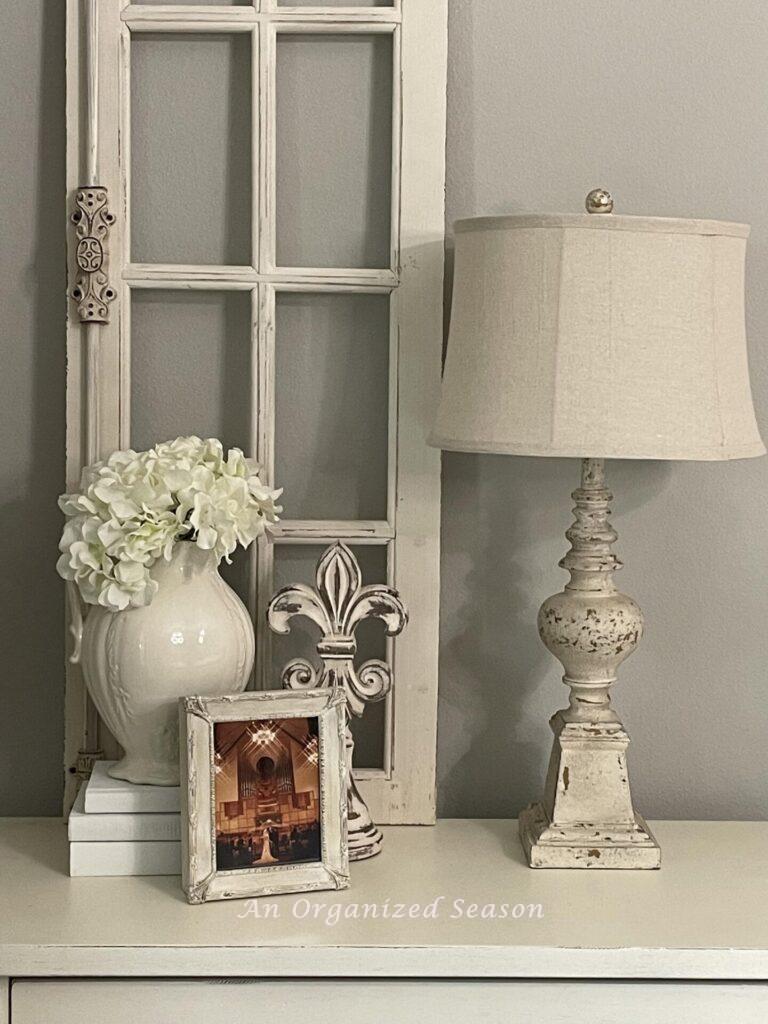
(586, 846)
(586, 818)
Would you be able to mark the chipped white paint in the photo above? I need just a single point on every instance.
(201, 880)
(586, 818)
(337, 605)
(99, 389)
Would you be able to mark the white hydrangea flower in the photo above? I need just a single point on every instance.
(133, 507)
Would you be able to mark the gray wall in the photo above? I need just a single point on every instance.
(32, 284)
(664, 104)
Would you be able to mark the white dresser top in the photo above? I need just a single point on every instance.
(704, 915)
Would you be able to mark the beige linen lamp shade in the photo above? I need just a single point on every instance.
(598, 336)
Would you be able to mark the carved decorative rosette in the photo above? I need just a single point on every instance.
(92, 218)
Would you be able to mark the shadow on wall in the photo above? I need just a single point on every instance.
(488, 666)
(503, 523)
(33, 451)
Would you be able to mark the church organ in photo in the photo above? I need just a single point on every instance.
(267, 792)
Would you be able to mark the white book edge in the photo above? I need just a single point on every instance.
(106, 828)
(139, 858)
(105, 795)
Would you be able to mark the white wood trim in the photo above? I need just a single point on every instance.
(257, 312)
(92, 331)
(92, 92)
(336, 14)
(265, 448)
(396, 147)
(351, 275)
(406, 1002)
(93, 390)
(404, 791)
(124, 310)
(188, 275)
(387, 284)
(408, 795)
(267, 117)
(253, 445)
(197, 19)
(75, 695)
(274, 6)
(263, 567)
(200, 284)
(180, 18)
(393, 399)
(92, 404)
(5, 1001)
(373, 776)
(355, 11)
(402, 961)
(262, 559)
(169, 275)
(269, 151)
(113, 155)
(270, 6)
(325, 531)
(137, 15)
(255, 144)
(125, 365)
(333, 24)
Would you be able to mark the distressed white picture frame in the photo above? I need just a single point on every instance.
(99, 35)
(201, 880)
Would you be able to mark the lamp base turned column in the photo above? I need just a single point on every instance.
(586, 819)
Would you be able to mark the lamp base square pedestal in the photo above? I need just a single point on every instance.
(586, 845)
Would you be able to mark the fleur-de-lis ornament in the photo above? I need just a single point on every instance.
(337, 605)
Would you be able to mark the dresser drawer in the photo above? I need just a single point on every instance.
(387, 1002)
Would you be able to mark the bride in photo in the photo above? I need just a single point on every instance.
(266, 849)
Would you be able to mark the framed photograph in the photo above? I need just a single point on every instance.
(263, 794)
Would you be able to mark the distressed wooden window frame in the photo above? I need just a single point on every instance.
(99, 34)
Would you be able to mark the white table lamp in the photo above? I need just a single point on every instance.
(596, 337)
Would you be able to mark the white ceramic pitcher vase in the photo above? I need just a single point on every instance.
(195, 638)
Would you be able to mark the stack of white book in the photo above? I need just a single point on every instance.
(120, 828)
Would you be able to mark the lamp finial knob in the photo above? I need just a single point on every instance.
(599, 200)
